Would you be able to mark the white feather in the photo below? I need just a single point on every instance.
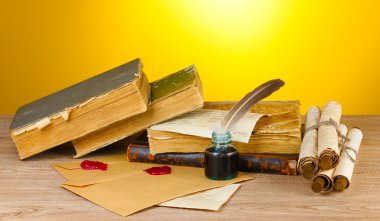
(245, 104)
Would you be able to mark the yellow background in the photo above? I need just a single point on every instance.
(323, 50)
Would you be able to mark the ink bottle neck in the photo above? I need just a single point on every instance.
(221, 139)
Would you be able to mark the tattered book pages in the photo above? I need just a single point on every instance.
(202, 123)
(281, 116)
(206, 200)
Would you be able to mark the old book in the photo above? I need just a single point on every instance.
(279, 132)
(176, 94)
(285, 164)
(80, 109)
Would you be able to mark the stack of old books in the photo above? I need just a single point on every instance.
(104, 109)
(121, 102)
(273, 146)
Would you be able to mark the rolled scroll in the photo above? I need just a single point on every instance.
(308, 159)
(328, 147)
(343, 172)
(324, 179)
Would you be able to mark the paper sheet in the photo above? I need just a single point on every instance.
(125, 188)
(202, 122)
(207, 200)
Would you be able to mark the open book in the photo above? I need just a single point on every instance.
(278, 132)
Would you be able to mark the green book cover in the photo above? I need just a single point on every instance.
(173, 83)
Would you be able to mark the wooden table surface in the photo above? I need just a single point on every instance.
(30, 189)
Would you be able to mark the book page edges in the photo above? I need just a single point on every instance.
(82, 150)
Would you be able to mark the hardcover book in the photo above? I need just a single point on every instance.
(171, 96)
(284, 164)
(80, 109)
(278, 132)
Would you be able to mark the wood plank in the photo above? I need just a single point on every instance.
(29, 189)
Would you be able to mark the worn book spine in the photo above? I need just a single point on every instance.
(284, 164)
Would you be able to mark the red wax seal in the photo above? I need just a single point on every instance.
(93, 165)
(159, 170)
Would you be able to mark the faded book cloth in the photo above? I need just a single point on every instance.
(125, 188)
(202, 123)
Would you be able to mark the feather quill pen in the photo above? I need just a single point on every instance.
(245, 104)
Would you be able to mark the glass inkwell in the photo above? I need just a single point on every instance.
(221, 157)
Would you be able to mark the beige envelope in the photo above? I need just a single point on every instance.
(72, 171)
(125, 188)
(116, 169)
